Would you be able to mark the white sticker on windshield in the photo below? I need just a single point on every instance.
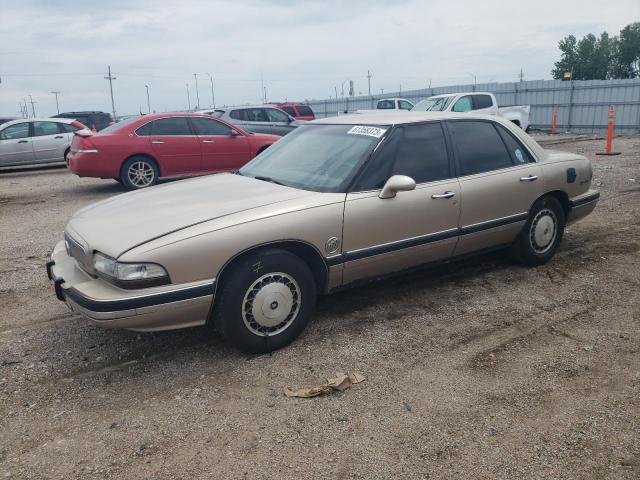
(369, 131)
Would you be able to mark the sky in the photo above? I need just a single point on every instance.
(298, 50)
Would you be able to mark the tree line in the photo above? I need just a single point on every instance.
(600, 58)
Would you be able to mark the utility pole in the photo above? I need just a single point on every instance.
(213, 95)
(195, 75)
(336, 90)
(188, 99)
(148, 101)
(521, 75)
(57, 107)
(33, 109)
(265, 94)
(111, 78)
(369, 81)
(262, 90)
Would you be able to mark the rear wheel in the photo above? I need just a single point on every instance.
(541, 235)
(66, 156)
(266, 301)
(139, 172)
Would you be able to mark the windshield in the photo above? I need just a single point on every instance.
(433, 104)
(321, 158)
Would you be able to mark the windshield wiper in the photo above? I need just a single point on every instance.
(267, 179)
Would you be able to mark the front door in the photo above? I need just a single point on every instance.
(413, 228)
(223, 149)
(499, 181)
(175, 146)
(15, 145)
(281, 124)
(256, 120)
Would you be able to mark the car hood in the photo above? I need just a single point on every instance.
(123, 222)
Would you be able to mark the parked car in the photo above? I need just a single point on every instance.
(36, 140)
(299, 111)
(140, 150)
(394, 104)
(6, 119)
(259, 119)
(339, 201)
(477, 102)
(93, 119)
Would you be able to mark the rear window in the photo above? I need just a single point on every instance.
(386, 105)
(117, 126)
(304, 111)
(237, 114)
(289, 110)
(481, 101)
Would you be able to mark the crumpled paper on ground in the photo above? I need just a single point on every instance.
(340, 382)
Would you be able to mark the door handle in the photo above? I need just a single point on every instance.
(157, 141)
(23, 141)
(58, 136)
(443, 195)
(208, 141)
(530, 178)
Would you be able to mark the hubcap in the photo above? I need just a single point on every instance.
(543, 230)
(141, 174)
(271, 304)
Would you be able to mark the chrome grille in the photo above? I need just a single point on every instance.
(75, 250)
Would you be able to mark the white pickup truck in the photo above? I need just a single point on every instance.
(478, 102)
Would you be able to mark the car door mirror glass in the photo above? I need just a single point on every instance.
(395, 184)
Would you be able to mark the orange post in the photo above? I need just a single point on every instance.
(610, 134)
(554, 122)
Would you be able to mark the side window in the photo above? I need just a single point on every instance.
(378, 168)
(67, 128)
(482, 101)
(171, 126)
(40, 129)
(145, 130)
(276, 115)
(422, 153)
(480, 148)
(14, 132)
(256, 115)
(404, 105)
(206, 126)
(289, 110)
(518, 153)
(463, 105)
(304, 110)
(238, 114)
(386, 105)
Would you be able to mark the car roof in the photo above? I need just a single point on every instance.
(396, 117)
(394, 98)
(442, 95)
(48, 119)
(86, 112)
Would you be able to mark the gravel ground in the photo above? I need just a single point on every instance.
(482, 369)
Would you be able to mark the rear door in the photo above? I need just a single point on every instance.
(256, 120)
(483, 103)
(413, 228)
(15, 145)
(221, 151)
(499, 181)
(281, 124)
(49, 143)
(175, 146)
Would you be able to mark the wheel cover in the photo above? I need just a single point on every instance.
(544, 229)
(271, 304)
(141, 174)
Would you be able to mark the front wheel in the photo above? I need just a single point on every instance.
(266, 301)
(139, 172)
(541, 235)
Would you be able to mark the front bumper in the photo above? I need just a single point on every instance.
(150, 309)
(582, 205)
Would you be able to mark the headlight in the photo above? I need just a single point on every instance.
(130, 275)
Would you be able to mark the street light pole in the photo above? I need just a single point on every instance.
(213, 95)
(33, 109)
(195, 75)
(57, 107)
(188, 99)
(148, 101)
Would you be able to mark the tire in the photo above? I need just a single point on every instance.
(266, 301)
(139, 172)
(66, 156)
(541, 235)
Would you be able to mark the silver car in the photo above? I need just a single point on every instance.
(36, 140)
(258, 119)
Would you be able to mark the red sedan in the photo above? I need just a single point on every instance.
(140, 150)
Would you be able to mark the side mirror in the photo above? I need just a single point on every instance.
(397, 183)
(234, 133)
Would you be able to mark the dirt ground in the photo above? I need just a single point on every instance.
(481, 369)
